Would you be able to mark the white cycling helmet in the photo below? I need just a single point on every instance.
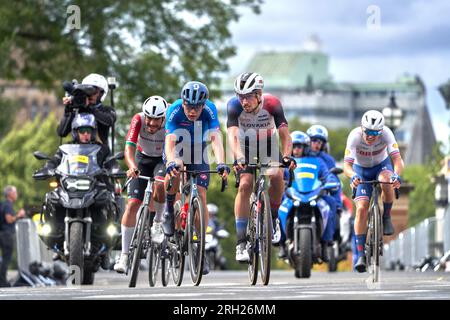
(99, 81)
(248, 82)
(212, 209)
(155, 107)
(373, 120)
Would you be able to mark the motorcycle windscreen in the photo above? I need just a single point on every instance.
(79, 159)
(306, 175)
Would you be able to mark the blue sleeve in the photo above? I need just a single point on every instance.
(234, 109)
(286, 174)
(328, 159)
(213, 120)
(171, 117)
(323, 170)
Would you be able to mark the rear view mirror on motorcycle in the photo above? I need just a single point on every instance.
(43, 174)
(336, 170)
(117, 156)
(40, 155)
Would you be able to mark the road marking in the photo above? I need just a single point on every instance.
(152, 295)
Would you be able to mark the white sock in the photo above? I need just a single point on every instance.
(127, 234)
(159, 208)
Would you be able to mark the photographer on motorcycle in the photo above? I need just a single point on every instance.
(88, 98)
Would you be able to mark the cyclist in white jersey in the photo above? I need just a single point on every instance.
(144, 155)
(368, 155)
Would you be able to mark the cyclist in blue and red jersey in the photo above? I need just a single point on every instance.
(191, 122)
(254, 119)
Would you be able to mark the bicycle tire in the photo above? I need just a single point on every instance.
(376, 244)
(165, 268)
(252, 231)
(178, 257)
(265, 236)
(153, 261)
(137, 245)
(196, 246)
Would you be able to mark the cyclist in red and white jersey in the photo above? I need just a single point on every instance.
(368, 155)
(144, 155)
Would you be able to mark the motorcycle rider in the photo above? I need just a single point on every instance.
(105, 116)
(319, 148)
(301, 148)
(143, 155)
(84, 131)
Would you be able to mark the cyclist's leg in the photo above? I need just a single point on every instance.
(242, 205)
(387, 195)
(159, 194)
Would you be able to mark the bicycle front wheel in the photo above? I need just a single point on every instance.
(137, 244)
(196, 240)
(264, 236)
(377, 234)
(253, 248)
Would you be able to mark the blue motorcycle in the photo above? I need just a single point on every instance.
(307, 214)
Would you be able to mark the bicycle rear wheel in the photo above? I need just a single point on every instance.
(153, 262)
(196, 240)
(137, 244)
(165, 268)
(177, 256)
(253, 250)
(264, 236)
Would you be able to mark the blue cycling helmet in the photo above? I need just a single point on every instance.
(194, 93)
(319, 132)
(83, 120)
(299, 137)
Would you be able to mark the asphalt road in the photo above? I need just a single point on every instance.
(225, 285)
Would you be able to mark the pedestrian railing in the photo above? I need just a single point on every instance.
(421, 246)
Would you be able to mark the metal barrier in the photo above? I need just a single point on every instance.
(430, 239)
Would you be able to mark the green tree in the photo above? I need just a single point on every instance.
(17, 162)
(9, 109)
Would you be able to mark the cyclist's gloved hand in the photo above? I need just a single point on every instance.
(171, 166)
(222, 167)
(396, 178)
(289, 162)
(356, 179)
(239, 164)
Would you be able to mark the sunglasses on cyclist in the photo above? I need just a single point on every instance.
(193, 106)
(247, 96)
(83, 130)
(373, 133)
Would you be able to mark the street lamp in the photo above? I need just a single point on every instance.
(393, 115)
(444, 89)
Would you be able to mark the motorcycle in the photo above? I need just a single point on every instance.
(80, 219)
(213, 249)
(307, 216)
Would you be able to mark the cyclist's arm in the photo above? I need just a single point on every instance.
(348, 170)
(398, 164)
(286, 141)
(217, 145)
(131, 141)
(233, 140)
(169, 147)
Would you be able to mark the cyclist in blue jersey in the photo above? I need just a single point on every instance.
(191, 122)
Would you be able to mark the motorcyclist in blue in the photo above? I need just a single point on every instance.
(302, 154)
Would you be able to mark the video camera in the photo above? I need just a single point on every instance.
(78, 93)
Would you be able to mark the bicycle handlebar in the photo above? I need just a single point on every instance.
(195, 173)
(267, 165)
(375, 182)
(140, 177)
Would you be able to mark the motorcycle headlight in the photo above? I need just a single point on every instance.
(73, 185)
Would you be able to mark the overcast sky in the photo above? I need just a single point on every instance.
(412, 36)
